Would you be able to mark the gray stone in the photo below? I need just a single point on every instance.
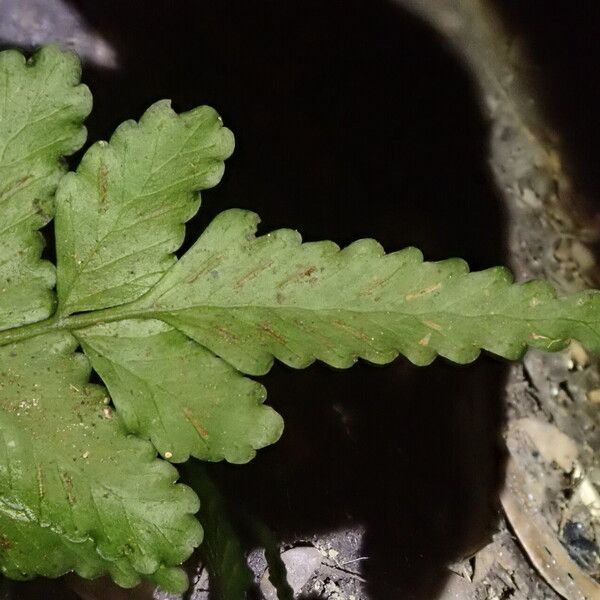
(301, 564)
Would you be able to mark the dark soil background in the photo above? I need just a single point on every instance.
(352, 119)
(562, 38)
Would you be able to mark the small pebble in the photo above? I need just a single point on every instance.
(594, 395)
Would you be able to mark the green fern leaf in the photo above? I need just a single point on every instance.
(120, 216)
(171, 338)
(42, 108)
(171, 390)
(250, 299)
(76, 492)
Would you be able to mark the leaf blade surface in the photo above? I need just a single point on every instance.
(187, 401)
(42, 108)
(251, 299)
(73, 485)
(120, 216)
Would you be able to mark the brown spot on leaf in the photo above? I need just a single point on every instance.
(266, 327)
(40, 482)
(354, 332)
(423, 292)
(15, 186)
(23, 180)
(68, 483)
(375, 283)
(302, 273)
(102, 186)
(189, 415)
(227, 335)
(5, 543)
(210, 265)
(242, 281)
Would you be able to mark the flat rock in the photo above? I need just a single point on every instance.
(301, 564)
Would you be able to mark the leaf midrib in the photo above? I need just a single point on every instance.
(132, 310)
